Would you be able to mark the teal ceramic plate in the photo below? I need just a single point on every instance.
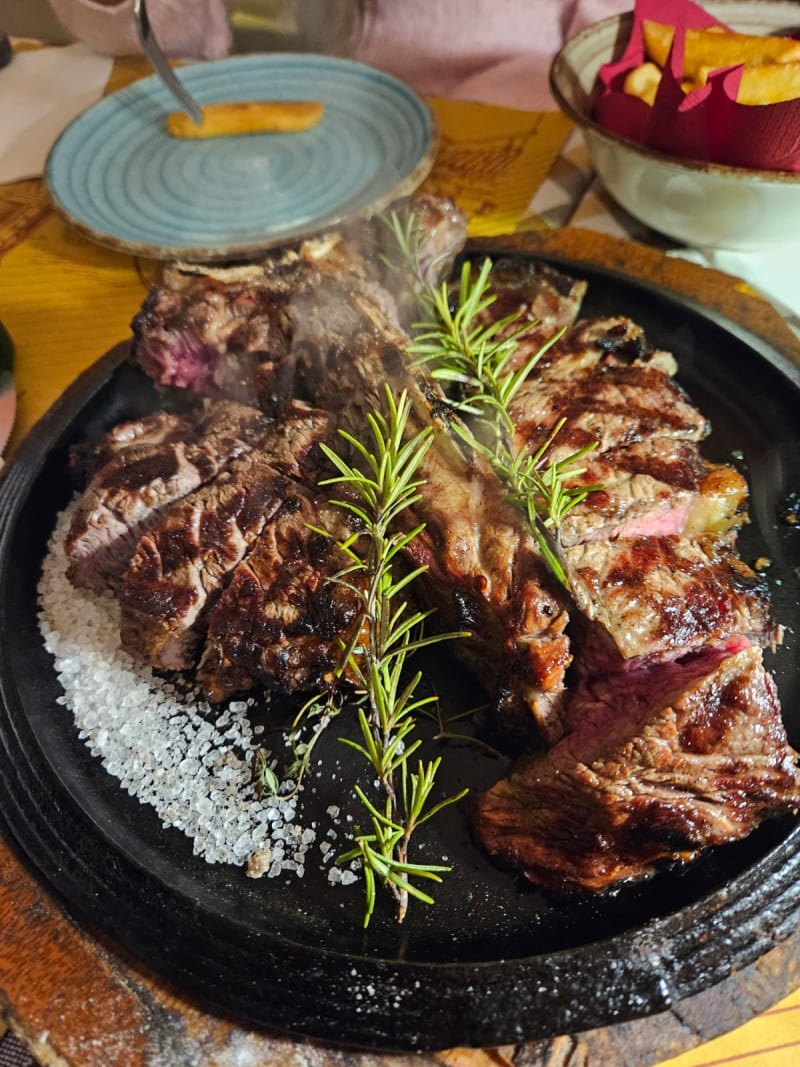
(123, 181)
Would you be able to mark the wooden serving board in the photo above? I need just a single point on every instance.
(80, 1001)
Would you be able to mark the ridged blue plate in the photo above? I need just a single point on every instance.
(123, 181)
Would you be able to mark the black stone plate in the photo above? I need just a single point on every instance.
(493, 962)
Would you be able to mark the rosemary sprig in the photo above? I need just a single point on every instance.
(476, 358)
(406, 234)
(382, 485)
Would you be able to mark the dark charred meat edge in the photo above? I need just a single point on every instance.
(668, 738)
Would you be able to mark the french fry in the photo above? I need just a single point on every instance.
(643, 81)
(252, 116)
(714, 49)
(769, 83)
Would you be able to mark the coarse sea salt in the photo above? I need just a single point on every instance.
(165, 745)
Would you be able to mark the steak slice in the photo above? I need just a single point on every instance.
(280, 620)
(485, 576)
(613, 407)
(181, 564)
(485, 572)
(590, 345)
(162, 427)
(658, 765)
(126, 495)
(542, 299)
(648, 488)
(227, 331)
(207, 331)
(656, 597)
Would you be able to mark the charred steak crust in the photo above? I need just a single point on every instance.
(280, 620)
(181, 565)
(126, 495)
(655, 769)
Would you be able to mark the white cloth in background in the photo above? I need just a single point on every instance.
(42, 91)
(572, 195)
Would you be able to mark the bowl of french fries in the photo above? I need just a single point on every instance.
(692, 116)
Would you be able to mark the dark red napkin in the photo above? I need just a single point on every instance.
(706, 124)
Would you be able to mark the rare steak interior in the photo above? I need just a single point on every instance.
(645, 723)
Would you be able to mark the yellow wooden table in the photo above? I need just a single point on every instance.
(77, 999)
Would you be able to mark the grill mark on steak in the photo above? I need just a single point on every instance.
(181, 565)
(543, 299)
(590, 345)
(162, 427)
(280, 619)
(648, 488)
(650, 597)
(614, 407)
(125, 496)
(656, 767)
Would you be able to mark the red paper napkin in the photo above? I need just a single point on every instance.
(706, 124)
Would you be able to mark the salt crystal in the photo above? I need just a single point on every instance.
(152, 735)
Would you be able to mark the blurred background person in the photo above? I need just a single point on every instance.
(497, 51)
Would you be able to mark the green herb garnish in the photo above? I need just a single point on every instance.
(475, 359)
(382, 485)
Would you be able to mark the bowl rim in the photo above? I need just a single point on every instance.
(586, 122)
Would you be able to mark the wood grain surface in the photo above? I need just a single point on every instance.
(80, 1001)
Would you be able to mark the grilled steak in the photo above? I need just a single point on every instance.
(207, 332)
(656, 765)
(485, 572)
(654, 597)
(648, 488)
(228, 331)
(125, 496)
(541, 299)
(669, 738)
(162, 427)
(612, 407)
(182, 563)
(280, 619)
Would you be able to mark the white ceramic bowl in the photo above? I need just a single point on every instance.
(698, 204)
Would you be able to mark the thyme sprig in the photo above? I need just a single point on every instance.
(477, 358)
(382, 484)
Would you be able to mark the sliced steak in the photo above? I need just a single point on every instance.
(485, 576)
(540, 298)
(127, 493)
(485, 572)
(183, 562)
(228, 331)
(661, 597)
(590, 345)
(659, 764)
(648, 488)
(207, 331)
(615, 406)
(280, 620)
(162, 427)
